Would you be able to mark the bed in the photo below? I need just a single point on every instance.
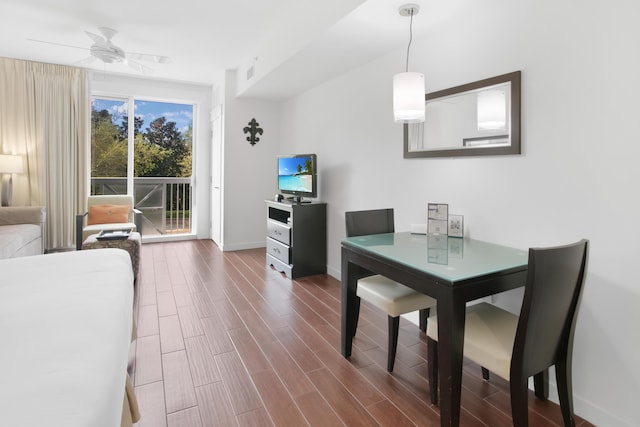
(65, 332)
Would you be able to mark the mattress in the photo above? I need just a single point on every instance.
(65, 331)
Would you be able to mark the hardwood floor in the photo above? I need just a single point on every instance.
(224, 341)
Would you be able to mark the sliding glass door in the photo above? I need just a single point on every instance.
(151, 159)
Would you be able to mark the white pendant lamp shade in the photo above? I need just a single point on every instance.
(408, 97)
(492, 110)
(408, 88)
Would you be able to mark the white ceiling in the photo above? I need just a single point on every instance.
(312, 40)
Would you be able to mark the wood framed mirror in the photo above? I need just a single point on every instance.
(481, 118)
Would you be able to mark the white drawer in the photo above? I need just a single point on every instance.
(279, 231)
(278, 250)
(279, 265)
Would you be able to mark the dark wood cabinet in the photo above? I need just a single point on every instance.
(297, 238)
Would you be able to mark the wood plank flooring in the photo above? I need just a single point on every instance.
(225, 341)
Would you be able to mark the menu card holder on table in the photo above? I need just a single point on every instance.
(437, 218)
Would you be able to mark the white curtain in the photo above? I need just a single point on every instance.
(44, 116)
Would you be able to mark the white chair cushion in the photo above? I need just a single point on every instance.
(392, 297)
(489, 333)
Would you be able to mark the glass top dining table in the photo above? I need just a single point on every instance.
(453, 270)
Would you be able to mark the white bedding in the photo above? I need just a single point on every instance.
(65, 331)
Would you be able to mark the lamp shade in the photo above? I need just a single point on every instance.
(10, 163)
(492, 110)
(408, 97)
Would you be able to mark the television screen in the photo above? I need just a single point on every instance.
(297, 175)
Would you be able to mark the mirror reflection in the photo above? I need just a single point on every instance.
(441, 249)
(479, 118)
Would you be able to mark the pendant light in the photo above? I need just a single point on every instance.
(492, 110)
(408, 87)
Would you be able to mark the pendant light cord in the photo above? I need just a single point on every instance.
(410, 38)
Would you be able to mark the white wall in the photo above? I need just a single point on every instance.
(577, 175)
(250, 171)
(159, 90)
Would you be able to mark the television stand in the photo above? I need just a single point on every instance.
(297, 238)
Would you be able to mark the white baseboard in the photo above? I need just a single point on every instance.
(242, 246)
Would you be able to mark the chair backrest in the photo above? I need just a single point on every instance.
(110, 199)
(376, 221)
(545, 329)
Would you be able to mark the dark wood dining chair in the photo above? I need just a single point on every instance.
(518, 347)
(393, 298)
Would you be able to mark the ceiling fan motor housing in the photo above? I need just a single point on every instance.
(108, 54)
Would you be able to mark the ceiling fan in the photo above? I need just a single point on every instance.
(104, 50)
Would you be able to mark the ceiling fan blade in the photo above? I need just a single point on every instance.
(158, 59)
(86, 61)
(99, 40)
(57, 44)
(139, 67)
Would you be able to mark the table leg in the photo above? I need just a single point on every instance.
(349, 304)
(451, 317)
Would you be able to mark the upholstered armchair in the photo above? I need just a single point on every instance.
(107, 212)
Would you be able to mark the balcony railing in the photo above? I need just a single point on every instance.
(165, 202)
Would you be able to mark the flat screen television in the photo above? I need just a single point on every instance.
(297, 176)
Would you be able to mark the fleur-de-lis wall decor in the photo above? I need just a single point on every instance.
(253, 130)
